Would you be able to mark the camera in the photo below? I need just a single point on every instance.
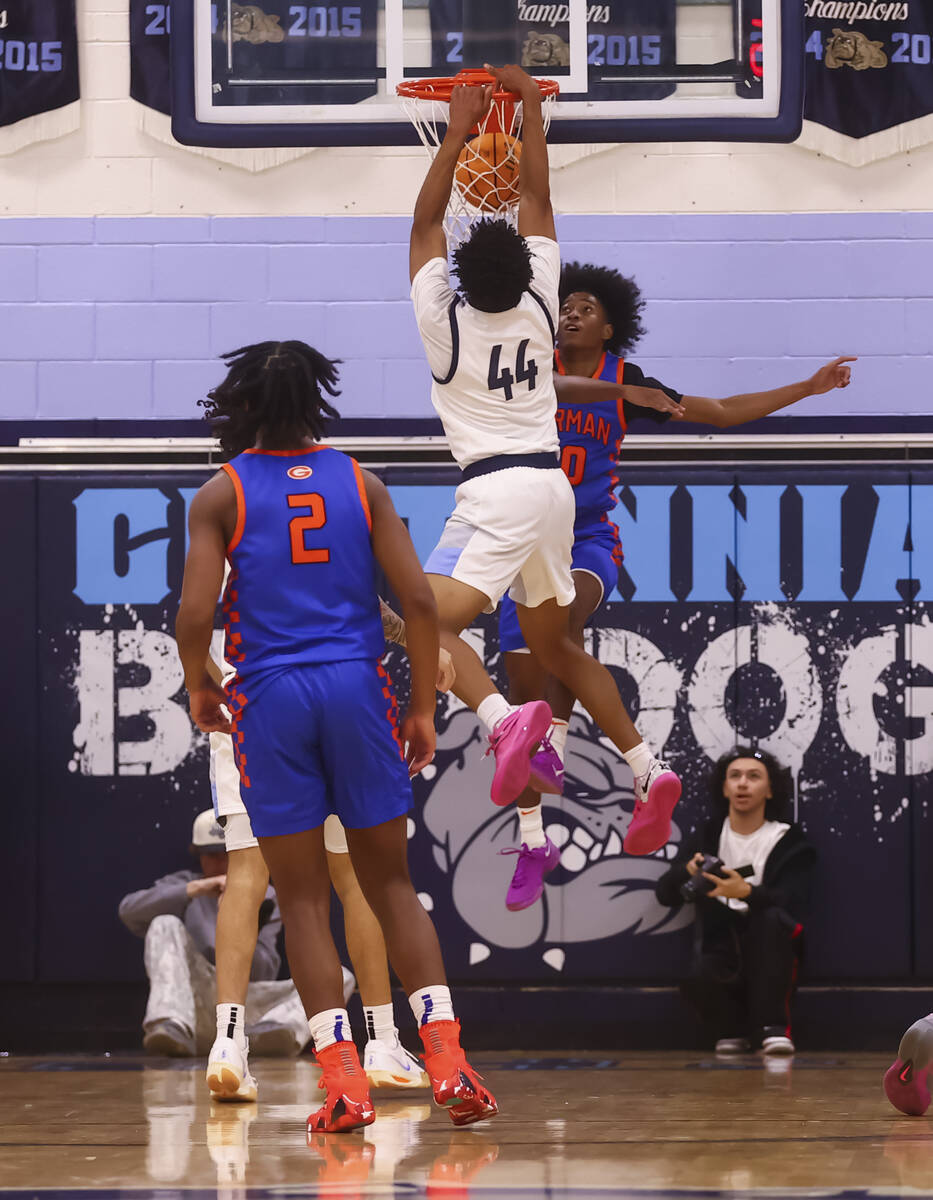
(697, 886)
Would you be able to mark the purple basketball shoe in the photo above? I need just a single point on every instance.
(532, 868)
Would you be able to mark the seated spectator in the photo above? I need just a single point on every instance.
(177, 916)
(750, 912)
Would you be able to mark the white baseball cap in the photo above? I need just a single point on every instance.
(206, 835)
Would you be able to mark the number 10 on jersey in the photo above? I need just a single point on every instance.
(502, 379)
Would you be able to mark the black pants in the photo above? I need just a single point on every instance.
(746, 972)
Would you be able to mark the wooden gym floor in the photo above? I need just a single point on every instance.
(649, 1125)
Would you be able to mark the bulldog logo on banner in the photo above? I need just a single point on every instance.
(869, 78)
(38, 72)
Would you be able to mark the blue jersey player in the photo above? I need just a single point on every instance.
(599, 322)
(313, 713)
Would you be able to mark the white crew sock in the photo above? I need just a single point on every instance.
(380, 1023)
(432, 1004)
(330, 1026)
(531, 827)
(491, 710)
(558, 735)
(639, 758)
(231, 1023)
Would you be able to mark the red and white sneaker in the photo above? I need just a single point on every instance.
(456, 1086)
(349, 1103)
(513, 741)
(656, 796)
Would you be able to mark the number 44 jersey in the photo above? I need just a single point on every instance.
(302, 584)
(493, 372)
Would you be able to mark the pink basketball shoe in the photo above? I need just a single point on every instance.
(906, 1082)
(513, 741)
(656, 795)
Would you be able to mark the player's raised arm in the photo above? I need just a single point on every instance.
(194, 625)
(580, 389)
(396, 555)
(535, 215)
(468, 106)
(736, 410)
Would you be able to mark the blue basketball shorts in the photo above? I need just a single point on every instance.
(318, 739)
(597, 551)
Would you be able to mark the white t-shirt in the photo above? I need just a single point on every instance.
(748, 850)
(493, 372)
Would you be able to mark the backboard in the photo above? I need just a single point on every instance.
(277, 73)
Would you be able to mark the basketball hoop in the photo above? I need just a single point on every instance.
(485, 181)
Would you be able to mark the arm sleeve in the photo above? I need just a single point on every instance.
(633, 374)
(545, 273)
(432, 296)
(167, 897)
(266, 960)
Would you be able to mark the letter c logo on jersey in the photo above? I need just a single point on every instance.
(300, 472)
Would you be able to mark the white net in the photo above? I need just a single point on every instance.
(486, 178)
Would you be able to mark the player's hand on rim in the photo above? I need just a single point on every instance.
(205, 704)
(419, 739)
(513, 79)
(836, 374)
(468, 106)
(649, 397)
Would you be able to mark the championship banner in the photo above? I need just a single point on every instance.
(869, 78)
(150, 83)
(38, 72)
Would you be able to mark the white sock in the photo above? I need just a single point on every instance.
(432, 1004)
(639, 758)
(531, 827)
(491, 710)
(330, 1026)
(380, 1023)
(231, 1022)
(558, 735)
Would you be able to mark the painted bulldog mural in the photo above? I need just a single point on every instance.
(596, 892)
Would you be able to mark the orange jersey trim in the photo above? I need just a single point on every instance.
(287, 453)
(364, 499)
(240, 508)
(562, 370)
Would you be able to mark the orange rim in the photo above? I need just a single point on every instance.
(441, 88)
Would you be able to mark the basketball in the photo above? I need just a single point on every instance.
(487, 171)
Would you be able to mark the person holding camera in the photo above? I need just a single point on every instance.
(748, 871)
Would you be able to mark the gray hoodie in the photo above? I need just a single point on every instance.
(168, 896)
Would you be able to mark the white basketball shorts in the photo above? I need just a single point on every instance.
(512, 531)
(230, 809)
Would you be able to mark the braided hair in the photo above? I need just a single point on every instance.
(273, 388)
(619, 296)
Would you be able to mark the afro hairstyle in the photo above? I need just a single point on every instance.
(493, 266)
(620, 297)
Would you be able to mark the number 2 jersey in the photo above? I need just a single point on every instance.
(591, 437)
(302, 583)
(493, 372)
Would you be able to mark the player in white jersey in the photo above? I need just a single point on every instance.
(490, 349)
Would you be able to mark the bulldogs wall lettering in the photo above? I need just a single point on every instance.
(791, 615)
